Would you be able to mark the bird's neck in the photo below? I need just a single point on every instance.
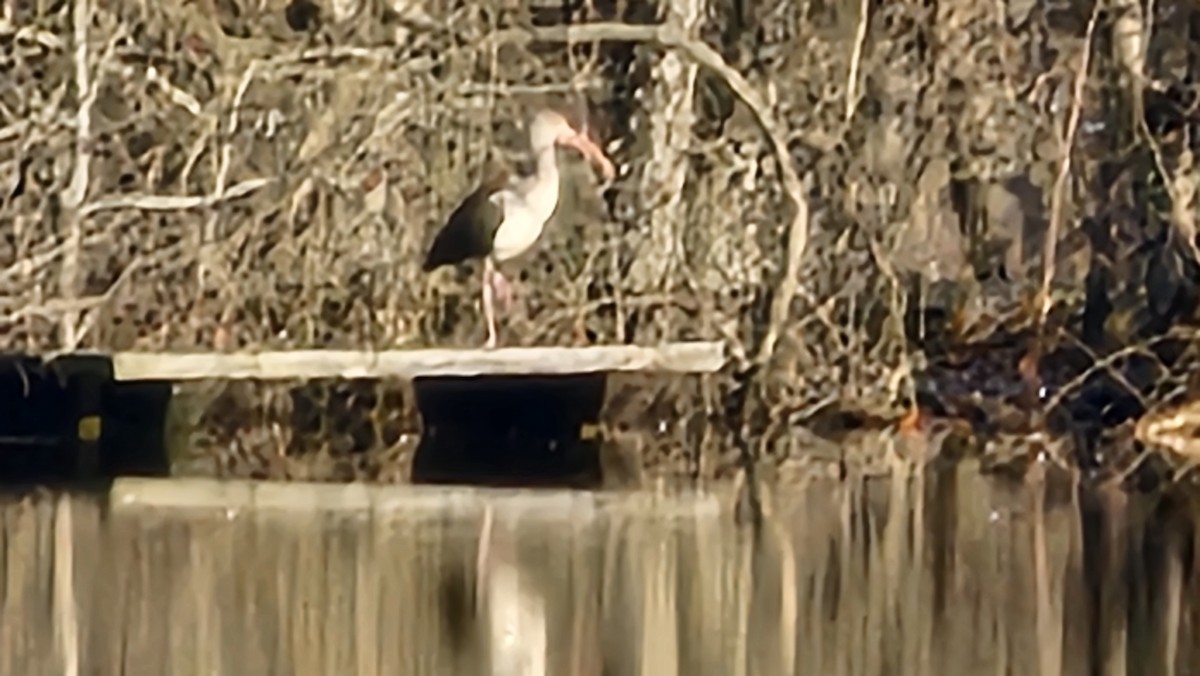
(547, 164)
(543, 195)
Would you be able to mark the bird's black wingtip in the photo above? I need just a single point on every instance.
(432, 259)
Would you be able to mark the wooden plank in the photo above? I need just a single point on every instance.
(436, 502)
(697, 357)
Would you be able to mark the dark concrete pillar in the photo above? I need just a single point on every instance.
(509, 430)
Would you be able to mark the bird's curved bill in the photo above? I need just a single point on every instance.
(592, 151)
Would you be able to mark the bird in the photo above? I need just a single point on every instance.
(505, 214)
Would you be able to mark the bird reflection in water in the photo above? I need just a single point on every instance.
(514, 614)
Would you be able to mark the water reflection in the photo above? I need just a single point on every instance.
(515, 611)
(933, 573)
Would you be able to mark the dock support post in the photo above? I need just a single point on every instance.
(85, 391)
(84, 378)
(110, 428)
(509, 430)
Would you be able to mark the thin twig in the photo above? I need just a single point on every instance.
(57, 306)
(14, 130)
(860, 41)
(32, 34)
(178, 96)
(255, 69)
(224, 163)
(1180, 185)
(28, 265)
(1050, 251)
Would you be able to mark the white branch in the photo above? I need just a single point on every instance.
(175, 202)
(77, 189)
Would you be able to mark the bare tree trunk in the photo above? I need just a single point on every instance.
(665, 174)
(70, 277)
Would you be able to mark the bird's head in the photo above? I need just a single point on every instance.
(550, 128)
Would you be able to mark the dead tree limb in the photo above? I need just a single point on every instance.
(672, 37)
(176, 202)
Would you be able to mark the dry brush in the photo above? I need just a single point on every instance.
(815, 182)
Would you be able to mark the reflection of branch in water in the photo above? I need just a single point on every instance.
(515, 616)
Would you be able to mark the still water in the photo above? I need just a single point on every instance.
(921, 574)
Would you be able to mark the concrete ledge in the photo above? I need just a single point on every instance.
(696, 357)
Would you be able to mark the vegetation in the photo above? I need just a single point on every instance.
(986, 209)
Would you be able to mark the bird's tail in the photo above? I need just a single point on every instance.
(433, 261)
(441, 252)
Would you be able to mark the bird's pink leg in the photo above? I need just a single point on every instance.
(503, 290)
(489, 305)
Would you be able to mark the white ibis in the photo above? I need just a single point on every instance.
(505, 214)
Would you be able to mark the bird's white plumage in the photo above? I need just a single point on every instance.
(527, 203)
